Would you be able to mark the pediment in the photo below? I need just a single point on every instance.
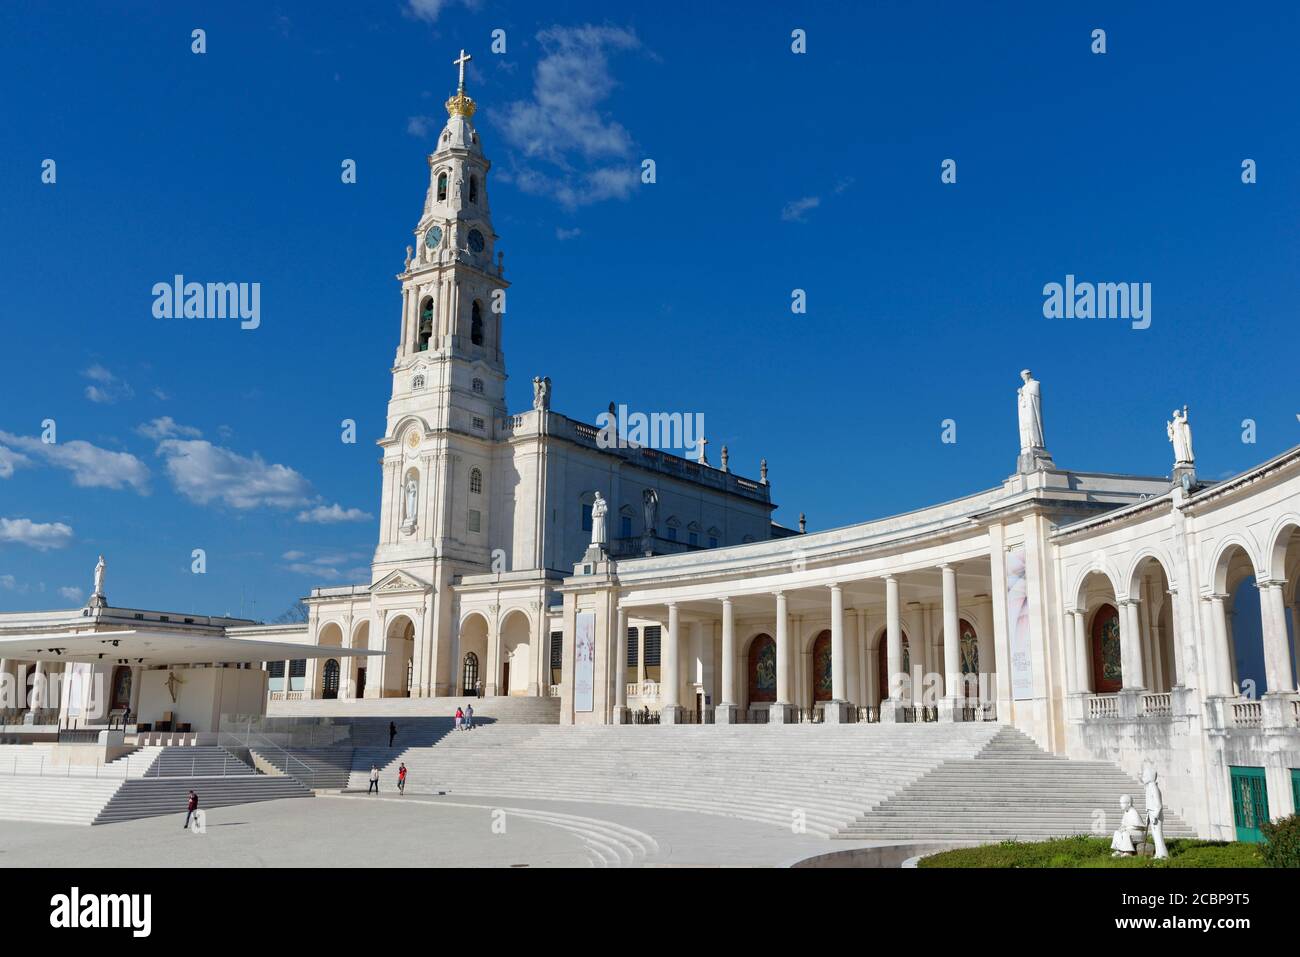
(400, 581)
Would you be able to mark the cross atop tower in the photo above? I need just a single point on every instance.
(464, 58)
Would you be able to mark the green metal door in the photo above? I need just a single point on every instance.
(1249, 803)
(1295, 790)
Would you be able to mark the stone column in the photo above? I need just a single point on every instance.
(954, 695)
(1130, 643)
(620, 670)
(1082, 662)
(727, 709)
(1278, 673)
(670, 678)
(852, 657)
(836, 711)
(8, 687)
(1221, 681)
(782, 711)
(891, 709)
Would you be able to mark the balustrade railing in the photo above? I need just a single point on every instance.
(1103, 706)
(1247, 714)
(1159, 705)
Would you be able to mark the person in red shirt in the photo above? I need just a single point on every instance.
(190, 808)
(401, 779)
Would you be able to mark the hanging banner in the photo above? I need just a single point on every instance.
(1022, 670)
(584, 662)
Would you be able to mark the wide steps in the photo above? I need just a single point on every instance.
(153, 797)
(54, 800)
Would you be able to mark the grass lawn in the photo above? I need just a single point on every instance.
(1084, 851)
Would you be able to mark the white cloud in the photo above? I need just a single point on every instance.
(9, 460)
(71, 593)
(421, 127)
(328, 566)
(105, 387)
(204, 473)
(794, 211)
(90, 465)
(165, 427)
(39, 535)
(562, 234)
(330, 514)
(428, 10)
(562, 126)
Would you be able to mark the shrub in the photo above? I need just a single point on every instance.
(1282, 842)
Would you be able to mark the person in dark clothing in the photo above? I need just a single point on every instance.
(392, 733)
(374, 779)
(190, 808)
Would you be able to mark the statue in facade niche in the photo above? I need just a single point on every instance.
(599, 509)
(412, 493)
(1180, 434)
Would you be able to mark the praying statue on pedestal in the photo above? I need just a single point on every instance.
(99, 577)
(1030, 404)
(1124, 841)
(1180, 434)
(599, 508)
(1155, 810)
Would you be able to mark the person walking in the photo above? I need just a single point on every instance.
(191, 807)
(392, 733)
(401, 779)
(374, 779)
(469, 717)
(460, 716)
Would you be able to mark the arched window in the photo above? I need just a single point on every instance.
(442, 187)
(1107, 673)
(477, 386)
(822, 687)
(473, 189)
(418, 381)
(469, 673)
(426, 325)
(476, 481)
(762, 669)
(476, 324)
(330, 684)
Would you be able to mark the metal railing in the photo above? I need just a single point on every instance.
(250, 739)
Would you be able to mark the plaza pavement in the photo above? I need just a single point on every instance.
(418, 830)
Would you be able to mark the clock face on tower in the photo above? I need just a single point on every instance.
(475, 241)
(433, 237)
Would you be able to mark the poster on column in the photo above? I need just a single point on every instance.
(584, 662)
(1022, 671)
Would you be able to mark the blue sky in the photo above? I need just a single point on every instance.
(775, 171)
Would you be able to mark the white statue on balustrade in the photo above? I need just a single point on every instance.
(599, 509)
(1029, 400)
(1180, 434)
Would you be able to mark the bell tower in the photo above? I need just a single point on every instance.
(449, 371)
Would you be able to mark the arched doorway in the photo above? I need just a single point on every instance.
(398, 663)
(474, 641)
(516, 656)
(1107, 667)
(882, 662)
(330, 679)
(762, 669)
(469, 672)
(822, 679)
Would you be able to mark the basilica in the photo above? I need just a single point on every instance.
(1131, 619)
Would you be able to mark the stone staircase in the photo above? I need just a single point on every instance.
(504, 709)
(1010, 790)
(53, 800)
(319, 769)
(192, 762)
(822, 777)
(155, 796)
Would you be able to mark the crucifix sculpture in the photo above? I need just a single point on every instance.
(464, 58)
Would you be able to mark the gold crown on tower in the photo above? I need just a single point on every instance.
(460, 105)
